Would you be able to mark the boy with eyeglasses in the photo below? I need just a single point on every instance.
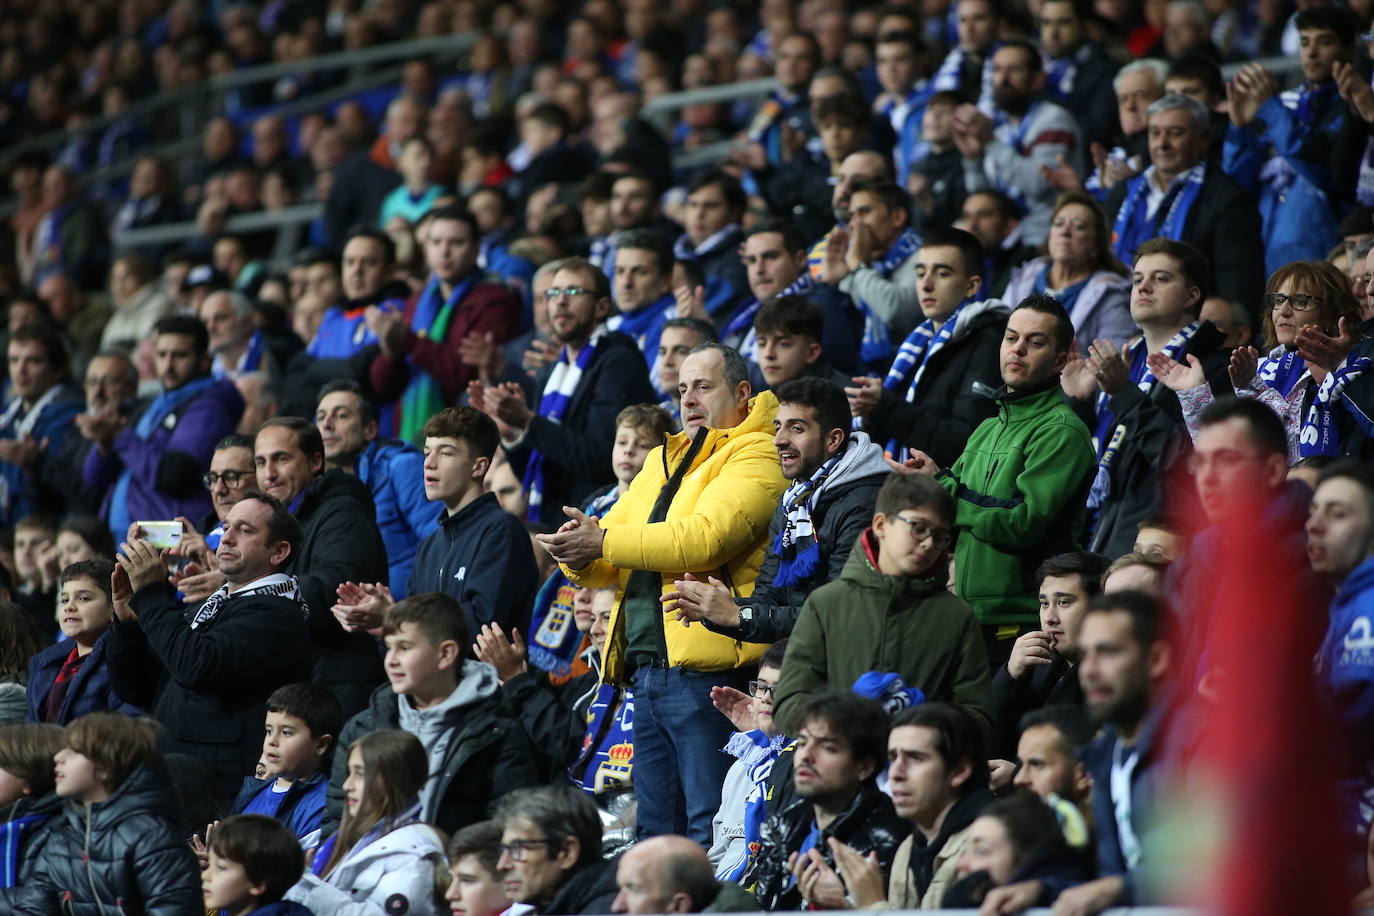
(889, 612)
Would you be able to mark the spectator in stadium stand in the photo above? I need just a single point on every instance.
(642, 278)
(671, 874)
(111, 386)
(715, 206)
(70, 237)
(1079, 72)
(551, 852)
(940, 385)
(1206, 207)
(1022, 480)
(834, 476)
(1128, 656)
(563, 449)
(420, 363)
(787, 338)
(151, 466)
(1043, 667)
(392, 470)
(1011, 147)
(1137, 85)
(555, 157)
(340, 543)
(899, 58)
(996, 220)
(707, 509)
(1049, 752)
(967, 69)
(838, 758)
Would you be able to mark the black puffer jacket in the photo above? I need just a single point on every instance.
(341, 544)
(124, 855)
(956, 389)
(36, 836)
(869, 824)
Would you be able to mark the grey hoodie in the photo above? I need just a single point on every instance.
(437, 725)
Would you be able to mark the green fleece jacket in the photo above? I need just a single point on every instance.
(1021, 486)
(868, 621)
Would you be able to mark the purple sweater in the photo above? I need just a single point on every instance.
(165, 469)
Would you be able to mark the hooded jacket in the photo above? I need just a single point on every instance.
(870, 825)
(1345, 673)
(716, 525)
(301, 808)
(126, 852)
(577, 451)
(90, 689)
(869, 621)
(165, 469)
(341, 543)
(1102, 310)
(209, 686)
(392, 874)
(922, 871)
(1021, 486)
(843, 510)
(21, 845)
(486, 753)
(956, 390)
(395, 473)
(482, 556)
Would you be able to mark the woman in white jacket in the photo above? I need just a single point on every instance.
(381, 860)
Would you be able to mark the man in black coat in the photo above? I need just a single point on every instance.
(1043, 667)
(341, 543)
(1219, 217)
(562, 449)
(207, 680)
(942, 381)
(835, 477)
(1079, 73)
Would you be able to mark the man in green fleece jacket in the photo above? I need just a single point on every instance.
(1022, 482)
(890, 612)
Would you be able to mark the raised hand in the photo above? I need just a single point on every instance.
(507, 656)
(863, 397)
(1029, 650)
(1078, 379)
(862, 875)
(1109, 365)
(1244, 364)
(1321, 349)
(1173, 374)
(736, 706)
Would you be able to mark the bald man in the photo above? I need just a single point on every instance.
(671, 874)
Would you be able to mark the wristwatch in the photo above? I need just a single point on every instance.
(746, 614)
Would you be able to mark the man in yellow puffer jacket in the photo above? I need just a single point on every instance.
(701, 505)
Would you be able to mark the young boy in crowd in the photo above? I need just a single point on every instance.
(416, 195)
(890, 613)
(476, 752)
(303, 721)
(27, 799)
(70, 678)
(254, 861)
(788, 332)
(475, 885)
(118, 837)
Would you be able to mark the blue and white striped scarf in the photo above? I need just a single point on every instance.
(948, 77)
(558, 392)
(684, 250)
(1319, 435)
(912, 356)
(1133, 223)
(742, 322)
(877, 342)
(1144, 379)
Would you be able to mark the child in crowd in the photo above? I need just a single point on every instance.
(475, 884)
(744, 796)
(254, 861)
(303, 722)
(890, 613)
(382, 859)
(70, 678)
(33, 534)
(27, 799)
(453, 705)
(416, 195)
(20, 641)
(116, 845)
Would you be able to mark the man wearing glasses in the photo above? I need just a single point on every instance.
(550, 852)
(562, 449)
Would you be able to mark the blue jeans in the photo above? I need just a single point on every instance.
(679, 765)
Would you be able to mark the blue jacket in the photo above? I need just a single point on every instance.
(394, 472)
(90, 690)
(303, 807)
(283, 908)
(481, 556)
(1345, 674)
(23, 493)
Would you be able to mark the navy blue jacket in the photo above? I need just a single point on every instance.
(303, 807)
(482, 556)
(90, 690)
(394, 472)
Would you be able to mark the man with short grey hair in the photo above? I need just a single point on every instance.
(1183, 197)
(235, 341)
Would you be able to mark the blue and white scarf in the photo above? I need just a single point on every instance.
(949, 78)
(740, 327)
(1319, 435)
(1144, 379)
(1133, 222)
(608, 748)
(555, 641)
(684, 250)
(912, 356)
(905, 117)
(1283, 372)
(13, 834)
(877, 342)
(796, 545)
(276, 585)
(757, 751)
(558, 392)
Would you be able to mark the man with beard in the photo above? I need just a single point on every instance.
(563, 449)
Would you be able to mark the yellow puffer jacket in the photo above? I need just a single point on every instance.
(716, 526)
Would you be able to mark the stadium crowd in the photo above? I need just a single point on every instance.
(850, 522)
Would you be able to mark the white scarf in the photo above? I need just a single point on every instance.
(278, 585)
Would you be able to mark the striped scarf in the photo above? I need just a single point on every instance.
(555, 642)
(1319, 435)
(739, 330)
(914, 354)
(276, 585)
(1144, 379)
(877, 342)
(423, 398)
(558, 392)
(684, 250)
(1133, 223)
